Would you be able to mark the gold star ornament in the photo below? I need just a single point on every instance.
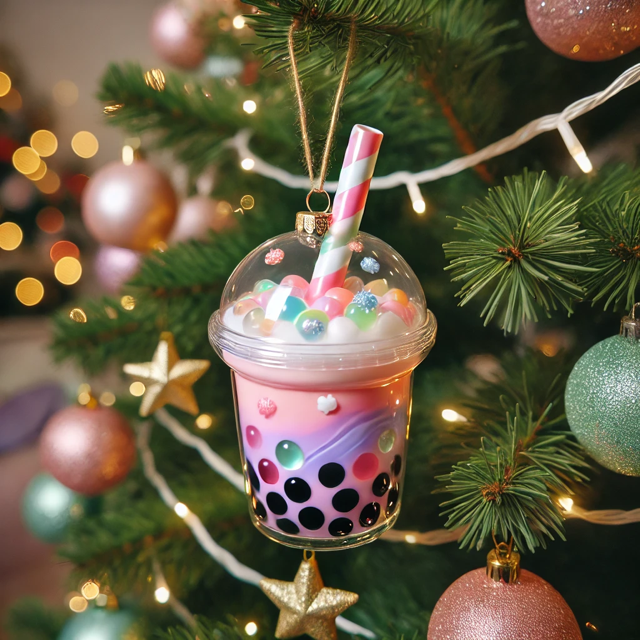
(167, 379)
(306, 605)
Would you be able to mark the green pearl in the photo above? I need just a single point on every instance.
(263, 285)
(602, 402)
(364, 319)
(289, 455)
(292, 308)
(387, 440)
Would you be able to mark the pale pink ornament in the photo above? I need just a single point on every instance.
(275, 256)
(114, 266)
(175, 37)
(197, 216)
(266, 407)
(475, 607)
(131, 206)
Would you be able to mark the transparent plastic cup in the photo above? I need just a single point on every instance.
(322, 407)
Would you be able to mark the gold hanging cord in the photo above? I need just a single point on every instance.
(324, 167)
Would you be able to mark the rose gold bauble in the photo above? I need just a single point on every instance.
(88, 450)
(475, 607)
(131, 206)
(114, 266)
(199, 215)
(175, 38)
(589, 30)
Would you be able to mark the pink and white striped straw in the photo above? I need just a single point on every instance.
(348, 207)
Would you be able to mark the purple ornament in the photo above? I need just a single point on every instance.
(175, 38)
(114, 266)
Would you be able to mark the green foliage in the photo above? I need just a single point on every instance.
(526, 459)
(29, 619)
(206, 630)
(524, 242)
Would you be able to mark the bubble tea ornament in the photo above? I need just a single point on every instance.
(324, 467)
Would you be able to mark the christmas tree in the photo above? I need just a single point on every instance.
(521, 444)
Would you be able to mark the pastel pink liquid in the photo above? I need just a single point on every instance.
(324, 480)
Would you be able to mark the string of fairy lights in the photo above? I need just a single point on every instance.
(29, 161)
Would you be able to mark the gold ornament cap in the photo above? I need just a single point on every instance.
(630, 325)
(313, 224)
(503, 564)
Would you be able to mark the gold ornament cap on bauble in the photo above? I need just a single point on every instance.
(503, 564)
(630, 325)
(313, 224)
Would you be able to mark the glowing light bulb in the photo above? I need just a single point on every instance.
(251, 628)
(566, 504)
(162, 595)
(574, 146)
(181, 509)
(90, 590)
(137, 389)
(249, 106)
(204, 421)
(238, 22)
(127, 154)
(452, 416)
(247, 164)
(410, 538)
(419, 206)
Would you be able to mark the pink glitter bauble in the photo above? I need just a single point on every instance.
(88, 450)
(588, 30)
(175, 38)
(131, 206)
(275, 256)
(475, 607)
(197, 216)
(114, 266)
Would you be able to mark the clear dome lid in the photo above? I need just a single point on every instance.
(268, 299)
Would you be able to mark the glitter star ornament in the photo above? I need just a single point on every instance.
(167, 379)
(306, 605)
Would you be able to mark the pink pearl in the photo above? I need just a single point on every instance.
(400, 310)
(268, 471)
(396, 294)
(264, 297)
(296, 281)
(343, 296)
(354, 284)
(366, 466)
(330, 306)
(297, 292)
(254, 437)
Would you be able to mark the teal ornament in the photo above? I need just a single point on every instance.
(311, 324)
(602, 403)
(48, 508)
(263, 285)
(100, 624)
(363, 318)
(289, 455)
(292, 308)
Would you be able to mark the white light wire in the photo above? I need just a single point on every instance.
(177, 607)
(200, 533)
(240, 142)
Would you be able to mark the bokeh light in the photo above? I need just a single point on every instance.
(78, 604)
(247, 202)
(155, 79)
(39, 173)
(90, 590)
(107, 399)
(162, 595)
(78, 315)
(12, 101)
(50, 183)
(29, 291)
(64, 249)
(68, 270)
(238, 22)
(247, 164)
(137, 389)
(249, 106)
(128, 303)
(44, 143)
(223, 208)
(5, 84)
(65, 93)
(10, 236)
(25, 160)
(85, 144)
(204, 421)
(50, 220)
(251, 628)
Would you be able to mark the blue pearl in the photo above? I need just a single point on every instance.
(365, 300)
(370, 265)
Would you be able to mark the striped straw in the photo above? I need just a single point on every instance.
(348, 207)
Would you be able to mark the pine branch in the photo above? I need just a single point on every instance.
(526, 242)
(29, 619)
(206, 630)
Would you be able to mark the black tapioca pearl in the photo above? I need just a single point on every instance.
(297, 489)
(340, 527)
(311, 518)
(253, 476)
(331, 474)
(381, 484)
(276, 503)
(287, 525)
(396, 465)
(345, 500)
(392, 500)
(259, 509)
(370, 514)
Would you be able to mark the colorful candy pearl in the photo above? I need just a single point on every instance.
(353, 284)
(396, 294)
(332, 307)
(263, 298)
(289, 455)
(343, 296)
(263, 285)
(370, 265)
(295, 281)
(243, 306)
(400, 310)
(292, 308)
(252, 322)
(378, 287)
(311, 324)
(365, 300)
(363, 318)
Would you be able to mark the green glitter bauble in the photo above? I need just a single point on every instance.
(98, 624)
(603, 403)
(48, 507)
